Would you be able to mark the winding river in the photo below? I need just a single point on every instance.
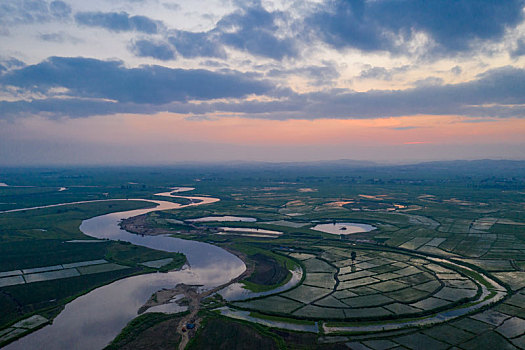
(94, 319)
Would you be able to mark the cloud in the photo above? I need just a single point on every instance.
(10, 63)
(118, 22)
(381, 73)
(14, 12)
(520, 49)
(155, 49)
(75, 108)
(253, 29)
(171, 6)
(379, 25)
(191, 44)
(318, 75)
(59, 9)
(429, 81)
(250, 29)
(107, 87)
(456, 70)
(91, 78)
(497, 93)
(59, 37)
(405, 128)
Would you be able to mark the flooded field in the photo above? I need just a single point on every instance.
(226, 218)
(240, 230)
(343, 228)
(236, 291)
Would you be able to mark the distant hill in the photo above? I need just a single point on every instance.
(485, 167)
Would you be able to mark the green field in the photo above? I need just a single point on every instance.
(470, 215)
(36, 243)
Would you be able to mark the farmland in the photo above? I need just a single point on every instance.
(46, 261)
(442, 266)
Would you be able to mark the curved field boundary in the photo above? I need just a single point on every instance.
(491, 292)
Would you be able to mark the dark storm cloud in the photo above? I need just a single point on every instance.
(453, 25)
(91, 78)
(118, 22)
(149, 48)
(32, 11)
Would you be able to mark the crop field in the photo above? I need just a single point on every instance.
(388, 284)
(42, 266)
(446, 258)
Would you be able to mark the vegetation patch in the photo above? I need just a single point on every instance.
(268, 271)
(223, 333)
(149, 331)
(275, 304)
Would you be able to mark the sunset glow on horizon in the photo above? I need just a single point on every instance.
(239, 80)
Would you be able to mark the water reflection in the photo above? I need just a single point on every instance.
(227, 218)
(93, 320)
(236, 291)
(343, 228)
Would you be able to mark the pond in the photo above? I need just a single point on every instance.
(343, 228)
(223, 218)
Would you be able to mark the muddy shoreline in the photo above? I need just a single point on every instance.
(139, 225)
(193, 298)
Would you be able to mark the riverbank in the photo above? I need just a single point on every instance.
(193, 298)
(191, 292)
(103, 312)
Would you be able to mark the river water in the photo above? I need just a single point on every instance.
(94, 319)
(343, 228)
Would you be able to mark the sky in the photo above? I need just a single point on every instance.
(160, 82)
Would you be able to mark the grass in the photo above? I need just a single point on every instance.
(268, 272)
(131, 255)
(38, 238)
(258, 288)
(27, 299)
(281, 319)
(58, 222)
(275, 305)
(268, 194)
(281, 266)
(138, 325)
(219, 332)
